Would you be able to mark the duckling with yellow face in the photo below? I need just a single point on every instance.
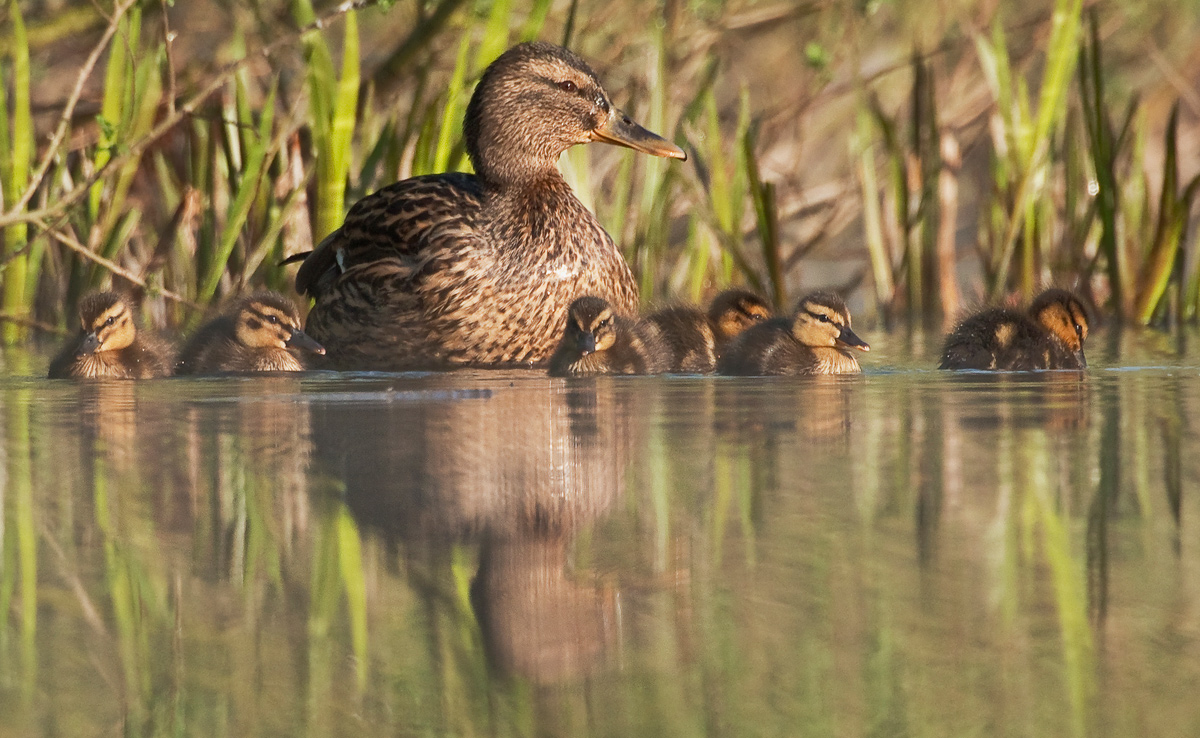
(110, 345)
(258, 333)
(1050, 335)
(816, 340)
(479, 269)
(597, 340)
(694, 339)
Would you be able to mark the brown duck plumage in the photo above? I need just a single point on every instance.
(459, 269)
(258, 333)
(597, 340)
(816, 340)
(110, 345)
(694, 340)
(1049, 336)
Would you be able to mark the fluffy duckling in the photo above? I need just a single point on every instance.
(694, 340)
(599, 341)
(1049, 336)
(110, 345)
(815, 341)
(479, 269)
(259, 333)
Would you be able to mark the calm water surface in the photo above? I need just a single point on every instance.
(902, 553)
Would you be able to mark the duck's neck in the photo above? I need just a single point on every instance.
(540, 210)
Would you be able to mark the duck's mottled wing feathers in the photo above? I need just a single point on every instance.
(391, 230)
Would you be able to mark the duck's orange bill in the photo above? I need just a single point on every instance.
(623, 131)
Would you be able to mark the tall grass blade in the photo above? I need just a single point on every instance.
(451, 116)
(256, 156)
(16, 166)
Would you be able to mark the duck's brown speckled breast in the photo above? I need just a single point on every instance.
(435, 271)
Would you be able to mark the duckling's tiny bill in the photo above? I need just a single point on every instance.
(849, 339)
(301, 340)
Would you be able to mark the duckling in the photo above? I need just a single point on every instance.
(599, 341)
(694, 340)
(479, 269)
(1049, 336)
(110, 345)
(814, 341)
(258, 333)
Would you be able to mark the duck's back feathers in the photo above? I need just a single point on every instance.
(687, 340)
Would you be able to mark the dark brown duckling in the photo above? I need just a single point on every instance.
(479, 269)
(258, 333)
(694, 340)
(110, 345)
(815, 341)
(1049, 335)
(599, 341)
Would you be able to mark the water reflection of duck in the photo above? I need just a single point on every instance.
(1049, 336)
(454, 269)
(695, 339)
(259, 333)
(814, 341)
(110, 345)
(599, 341)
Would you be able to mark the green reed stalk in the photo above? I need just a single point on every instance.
(15, 160)
(451, 125)
(1029, 135)
(333, 116)
(255, 164)
(350, 565)
(881, 263)
(1163, 262)
(762, 194)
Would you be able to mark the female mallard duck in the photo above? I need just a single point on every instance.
(109, 344)
(694, 340)
(458, 269)
(814, 341)
(1049, 336)
(599, 341)
(259, 333)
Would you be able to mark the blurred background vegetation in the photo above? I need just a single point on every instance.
(923, 156)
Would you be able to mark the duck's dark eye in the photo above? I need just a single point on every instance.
(273, 319)
(1079, 330)
(111, 319)
(568, 86)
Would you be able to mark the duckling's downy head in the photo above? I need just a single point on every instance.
(536, 101)
(1065, 316)
(822, 319)
(591, 325)
(268, 320)
(107, 321)
(733, 311)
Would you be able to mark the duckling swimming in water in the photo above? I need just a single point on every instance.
(110, 345)
(1049, 336)
(694, 340)
(599, 341)
(479, 269)
(258, 333)
(815, 341)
